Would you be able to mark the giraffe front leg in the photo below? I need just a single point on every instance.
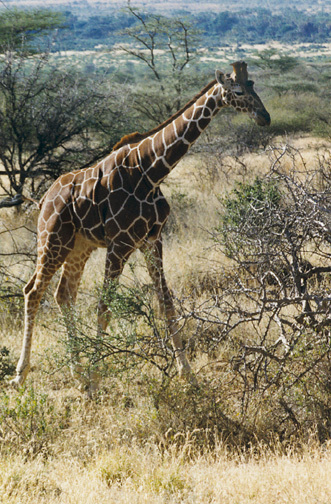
(23, 366)
(153, 256)
(33, 292)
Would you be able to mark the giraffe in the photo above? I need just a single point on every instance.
(117, 204)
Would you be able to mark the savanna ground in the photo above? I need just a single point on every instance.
(147, 436)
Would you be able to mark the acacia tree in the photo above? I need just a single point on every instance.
(51, 120)
(166, 47)
(19, 28)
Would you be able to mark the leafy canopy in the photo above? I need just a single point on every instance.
(20, 27)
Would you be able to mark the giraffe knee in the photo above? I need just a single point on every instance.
(65, 293)
(61, 297)
(103, 315)
(29, 285)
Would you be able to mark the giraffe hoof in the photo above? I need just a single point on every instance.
(17, 381)
(189, 376)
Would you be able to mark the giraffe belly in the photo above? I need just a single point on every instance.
(93, 238)
(124, 231)
(121, 222)
(131, 233)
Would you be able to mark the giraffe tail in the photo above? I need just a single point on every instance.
(32, 200)
(17, 200)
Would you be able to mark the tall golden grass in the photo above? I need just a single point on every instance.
(132, 475)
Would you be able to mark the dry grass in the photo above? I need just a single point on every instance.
(136, 475)
(141, 441)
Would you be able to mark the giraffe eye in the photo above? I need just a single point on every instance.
(237, 89)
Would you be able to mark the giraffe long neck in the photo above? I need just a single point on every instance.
(159, 153)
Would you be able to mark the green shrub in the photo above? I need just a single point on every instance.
(245, 212)
(27, 419)
(7, 366)
(136, 335)
(295, 112)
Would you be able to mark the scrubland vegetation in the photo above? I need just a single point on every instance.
(257, 428)
(247, 256)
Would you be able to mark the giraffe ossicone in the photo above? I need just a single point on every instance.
(117, 204)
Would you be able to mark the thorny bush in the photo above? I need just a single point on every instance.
(271, 316)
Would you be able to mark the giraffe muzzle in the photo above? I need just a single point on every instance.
(262, 118)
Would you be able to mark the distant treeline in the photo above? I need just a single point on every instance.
(261, 25)
(249, 25)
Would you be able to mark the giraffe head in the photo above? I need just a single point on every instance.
(237, 92)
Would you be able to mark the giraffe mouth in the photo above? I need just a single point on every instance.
(262, 118)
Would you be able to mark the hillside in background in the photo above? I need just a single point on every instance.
(84, 7)
(90, 24)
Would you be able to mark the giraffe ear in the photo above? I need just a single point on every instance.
(220, 77)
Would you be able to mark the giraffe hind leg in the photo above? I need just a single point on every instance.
(65, 297)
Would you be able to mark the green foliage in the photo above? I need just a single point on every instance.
(136, 335)
(272, 59)
(28, 420)
(26, 413)
(20, 27)
(127, 303)
(296, 111)
(254, 25)
(246, 210)
(259, 25)
(7, 366)
(248, 200)
(86, 32)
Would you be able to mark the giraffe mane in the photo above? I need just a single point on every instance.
(135, 137)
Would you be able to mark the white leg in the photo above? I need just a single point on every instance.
(33, 292)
